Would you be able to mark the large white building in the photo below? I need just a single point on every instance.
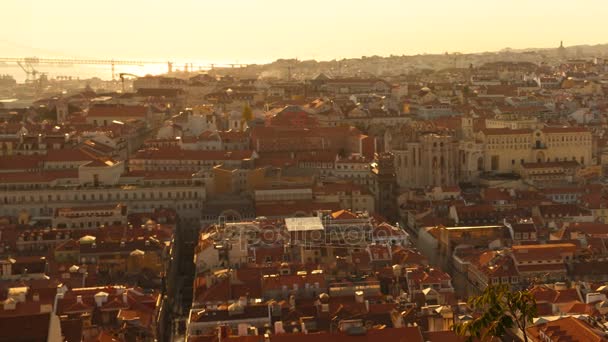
(423, 158)
(506, 150)
(41, 193)
(427, 156)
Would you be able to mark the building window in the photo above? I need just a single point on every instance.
(495, 163)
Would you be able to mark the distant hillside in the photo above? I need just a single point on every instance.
(598, 49)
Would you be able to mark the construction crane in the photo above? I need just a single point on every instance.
(29, 70)
(27, 64)
(122, 79)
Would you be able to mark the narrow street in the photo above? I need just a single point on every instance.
(181, 276)
(459, 281)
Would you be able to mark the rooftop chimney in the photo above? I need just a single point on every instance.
(359, 297)
(252, 331)
(560, 286)
(10, 304)
(243, 329)
(46, 308)
(593, 297)
(278, 327)
(100, 298)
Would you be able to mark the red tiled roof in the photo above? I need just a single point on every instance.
(496, 194)
(77, 307)
(524, 227)
(443, 336)
(179, 154)
(408, 334)
(277, 282)
(386, 230)
(37, 177)
(25, 328)
(105, 336)
(71, 329)
(595, 229)
(233, 135)
(429, 276)
(565, 329)
(580, 308)
(564, 129)
(560, 210)
(335, 188)
(379, 252)
(403, 256)
(542, 252)
(114, 305)
(544, 309)
(343, 215)
(67, 155)
(160, 175)
(19, 162)
(505, 131)
(541, 268)
(291, 208)
(117, 111)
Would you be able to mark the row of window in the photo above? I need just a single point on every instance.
(175, 162)
(527, 140)
(71, 196)
(364, 167)
(569, 197)
(546, 261)
(552, 170)
(505, 280)
(136, 206)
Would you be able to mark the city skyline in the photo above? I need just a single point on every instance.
(263, 31)
(267, 171)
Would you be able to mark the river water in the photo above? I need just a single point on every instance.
(104, 72)
(84, 71)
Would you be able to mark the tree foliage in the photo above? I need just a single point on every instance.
(499, 310)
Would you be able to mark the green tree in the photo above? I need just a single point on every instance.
(499, 310)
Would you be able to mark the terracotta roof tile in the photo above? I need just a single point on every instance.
(542, 252)
(25, 328)
(117, 111)
(565, 329)
(179, 154)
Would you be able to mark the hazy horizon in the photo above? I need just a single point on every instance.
(260, 31)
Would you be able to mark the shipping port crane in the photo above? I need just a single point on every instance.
(28, 63)
(122, 79)
(29, 70)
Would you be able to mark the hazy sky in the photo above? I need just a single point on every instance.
(263, 30)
